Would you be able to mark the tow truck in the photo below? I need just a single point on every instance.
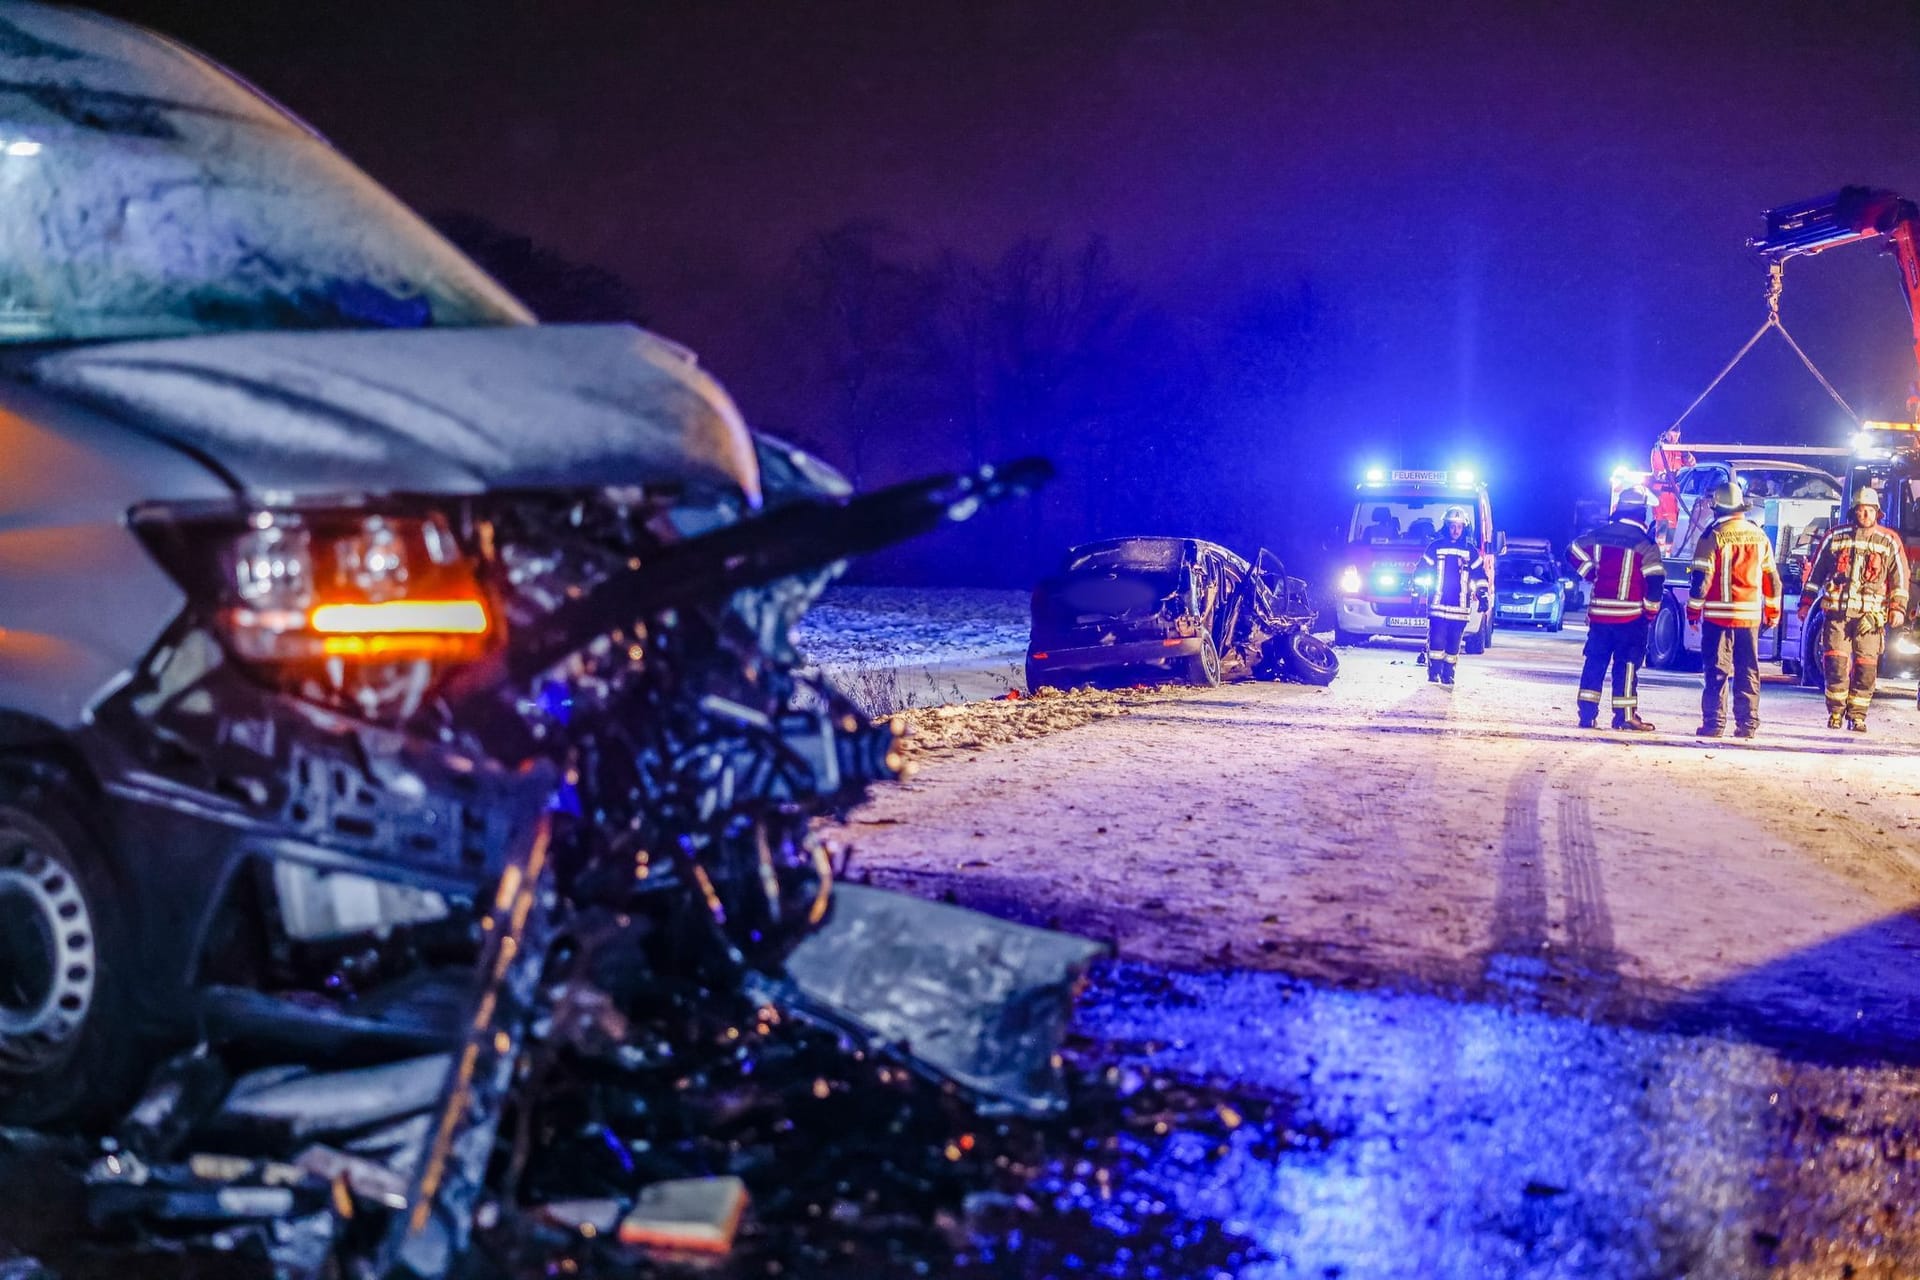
(1886, 454)
(1382, 591)
(1788, 496)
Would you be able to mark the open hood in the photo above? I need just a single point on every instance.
(313, 414)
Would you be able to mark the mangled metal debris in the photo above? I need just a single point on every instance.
(981, 1001)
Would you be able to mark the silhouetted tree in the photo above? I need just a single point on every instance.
(556, 288)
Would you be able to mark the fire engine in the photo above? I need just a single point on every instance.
(1382, 591)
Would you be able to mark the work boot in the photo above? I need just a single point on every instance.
(1446, 674)
(1632, 721)
(1857, 723)
(1709, 731)
(1589, 722)
(1833, 717)
(1747, 731)
(1433, 673)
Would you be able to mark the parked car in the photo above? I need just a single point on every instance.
(1529, 587)
(334, 589)
(1172, 609)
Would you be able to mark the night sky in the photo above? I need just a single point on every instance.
(1522, 225)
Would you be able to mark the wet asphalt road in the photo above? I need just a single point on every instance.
(1667, 1024)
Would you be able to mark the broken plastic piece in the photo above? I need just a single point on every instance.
(698, 1214)
(208, 1189)
(311, 1103)
(368, 1181)
(982, 1002)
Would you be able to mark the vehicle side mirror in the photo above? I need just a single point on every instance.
(1500, 542)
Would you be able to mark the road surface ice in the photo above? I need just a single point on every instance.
(1526, 1000)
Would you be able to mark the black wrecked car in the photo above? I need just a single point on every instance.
(1172, 609)
(384, 673)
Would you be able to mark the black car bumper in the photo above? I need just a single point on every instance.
(1098, 657)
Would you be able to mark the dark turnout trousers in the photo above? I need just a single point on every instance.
(1852, 648)
(1624, 646)
(1443, 647)
(1731, 656)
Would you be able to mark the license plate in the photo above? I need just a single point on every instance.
(1407, 624)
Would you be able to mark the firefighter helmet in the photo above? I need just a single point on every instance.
(1728, 500)
(1455, 513)
(1866, 496)
(1633, 502)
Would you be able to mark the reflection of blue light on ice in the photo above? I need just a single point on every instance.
(1422, 1136)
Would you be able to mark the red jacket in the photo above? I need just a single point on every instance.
(1623, 564)
(1734, 581)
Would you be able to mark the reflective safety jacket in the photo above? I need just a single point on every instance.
(1456, 564)
(1622, 561)
(1860, 573)
(1734, 581)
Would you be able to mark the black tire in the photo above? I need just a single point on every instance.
(1813, 668)
(1036, 680)
(1310, 660)
(1203, 670)
(1479, 641)
(1666, 641)
(70, 1055)
(1348, 639)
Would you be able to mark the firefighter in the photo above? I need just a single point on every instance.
(1862, 580)
(1459, 574)
(1733, 592)
(1622, 561)
(1664, 463)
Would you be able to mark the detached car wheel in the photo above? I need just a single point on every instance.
(1203, 670)
(68, 1053)
(1310, 660)
(1478, 641)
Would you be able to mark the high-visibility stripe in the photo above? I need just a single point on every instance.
(1590, 695)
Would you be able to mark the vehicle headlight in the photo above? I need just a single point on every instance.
(347, 596)
(1350, 580)
(1545, 597)
(1906, 646)
(1422, 579)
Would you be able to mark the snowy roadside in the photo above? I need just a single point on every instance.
(945, 659)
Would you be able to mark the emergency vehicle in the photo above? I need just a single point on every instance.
(1395, 515)
(1793, 501)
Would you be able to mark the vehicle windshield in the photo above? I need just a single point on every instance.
(138, 217)
(1409, 520)
(1142, 555)
(1513, 571)
(1762, 483)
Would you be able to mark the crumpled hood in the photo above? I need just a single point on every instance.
(315, 414)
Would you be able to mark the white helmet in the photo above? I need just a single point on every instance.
(1866, 496)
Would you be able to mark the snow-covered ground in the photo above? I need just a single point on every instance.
(1545, 1001)
(895, 648)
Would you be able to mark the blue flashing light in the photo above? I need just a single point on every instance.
(1376, 475)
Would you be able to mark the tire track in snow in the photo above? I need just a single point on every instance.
(1514, 960)
(1590, 952)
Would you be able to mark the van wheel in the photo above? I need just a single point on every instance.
(68, 1052)
(1480, 640)
(1667, 642)
(1813, 669)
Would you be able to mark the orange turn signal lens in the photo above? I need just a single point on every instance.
(401, 617)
